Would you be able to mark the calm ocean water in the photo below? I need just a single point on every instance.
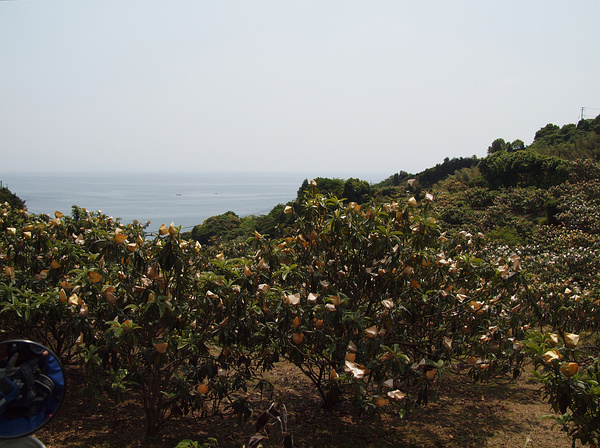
(186, 199)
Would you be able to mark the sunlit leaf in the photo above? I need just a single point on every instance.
(120, 238)
(571, 340)
(396, 394)
(9, 271)
(292, 299)
(447, 343)
(110, 297)
(461, 297)
(381, 402)
(372, 332)
(94, 276)
(408, 271)
(75, 300)
(551, 355)
(357, 372)
(298, 338)
(475, 305)
(569, 369)
(387, 304)
(161, 347)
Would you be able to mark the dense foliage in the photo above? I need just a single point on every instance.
(431, 176)
(375, 294)
(12, 199)
(523, 169)
(571, 142)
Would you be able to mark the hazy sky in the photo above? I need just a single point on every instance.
(323, 86)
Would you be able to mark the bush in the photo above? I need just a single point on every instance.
(570, 379)
(374, 303)
(12, 199)
(216, 228)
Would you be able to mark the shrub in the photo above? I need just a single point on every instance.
(373, 303)
(570, 379)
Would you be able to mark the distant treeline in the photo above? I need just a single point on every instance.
(543, 164)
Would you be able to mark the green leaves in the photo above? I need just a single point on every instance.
(372, 302)
(570, 380)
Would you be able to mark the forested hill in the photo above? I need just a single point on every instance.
(570, 142)
(508, 192)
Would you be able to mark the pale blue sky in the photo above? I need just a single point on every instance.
(326, 87)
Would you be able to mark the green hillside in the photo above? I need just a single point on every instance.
(510, 192)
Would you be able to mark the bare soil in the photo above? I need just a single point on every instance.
(465, 415)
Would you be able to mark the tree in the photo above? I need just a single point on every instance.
(497, 145)
(361, 302)
(517, 145)
(7, 196)
(523, 168)
(546, 133)
(441, 171)
(325, 185)
(356, 190)
(216, 227)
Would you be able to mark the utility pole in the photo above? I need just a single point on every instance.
(582, 109)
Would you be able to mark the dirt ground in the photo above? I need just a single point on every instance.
(466, 415)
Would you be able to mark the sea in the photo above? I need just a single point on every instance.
(186, 199)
